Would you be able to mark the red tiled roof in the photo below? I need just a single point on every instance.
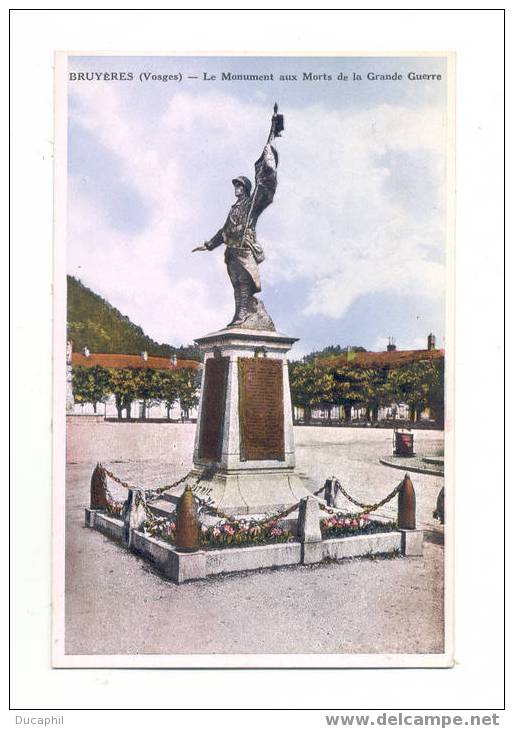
(134, 361)
(394, 358)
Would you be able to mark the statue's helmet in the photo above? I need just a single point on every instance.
(245, 182)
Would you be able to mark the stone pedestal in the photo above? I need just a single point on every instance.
(245, 425)
(412, 542)
(187, 566)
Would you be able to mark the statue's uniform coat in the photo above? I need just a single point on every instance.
(242, 267)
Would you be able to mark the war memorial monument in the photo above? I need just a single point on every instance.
(244, 479)
(245, 424)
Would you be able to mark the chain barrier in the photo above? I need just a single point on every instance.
(142, 496)
(109, 495)
(280, 515)
(210, 509)
(162, 489)
(347, 495)
(366, 508)
(114, 506)
(151, 494)
(370, 507)
(145, 495)
(267, 521)
(151, 515)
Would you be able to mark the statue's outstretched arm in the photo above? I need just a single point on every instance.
(214, 242)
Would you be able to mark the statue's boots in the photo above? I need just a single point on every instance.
(243, 296)
(237, 299)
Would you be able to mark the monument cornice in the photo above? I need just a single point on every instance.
(237, 336)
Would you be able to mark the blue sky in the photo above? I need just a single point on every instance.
(355, 238)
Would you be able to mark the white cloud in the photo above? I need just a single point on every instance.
(359, 208)
(121, 269)
(341, 226)
(133, 270)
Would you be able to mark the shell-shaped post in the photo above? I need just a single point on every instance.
(98, 493)
(187, 537)
(406, 505)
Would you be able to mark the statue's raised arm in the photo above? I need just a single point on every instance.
(266, 170)
(243, 252)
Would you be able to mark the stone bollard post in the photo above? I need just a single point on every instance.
(187, 536)
(330, 491)
(412, 538)
(98, 494)
(134, 515)
(309, 530)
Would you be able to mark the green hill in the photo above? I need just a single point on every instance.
(94, 323)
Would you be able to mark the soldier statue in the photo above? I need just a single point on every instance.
(243, 253)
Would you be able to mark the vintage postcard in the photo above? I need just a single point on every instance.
(253, 360)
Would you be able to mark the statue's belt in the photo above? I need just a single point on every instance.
(233, 240)
(237, 246)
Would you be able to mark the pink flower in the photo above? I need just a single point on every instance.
(347, 522)
(276, 532)
(355, 522)
(229, 529)
(216, 532)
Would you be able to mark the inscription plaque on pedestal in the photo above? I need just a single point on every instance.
(261, 409)
(213, 408)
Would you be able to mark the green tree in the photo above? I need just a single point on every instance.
(188, 389)
(310, 386)
(332, 351)
(436, 392)
(123, 387)
(91, 385)
(376, 390)
(348, 388)
(169, 388)
(80, 385)
(420, 385)
(147, 388)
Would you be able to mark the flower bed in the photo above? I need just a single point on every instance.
(114, 508)
(161, 527)
(341, 525)
(244, 533)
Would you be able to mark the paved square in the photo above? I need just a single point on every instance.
(116, 604)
